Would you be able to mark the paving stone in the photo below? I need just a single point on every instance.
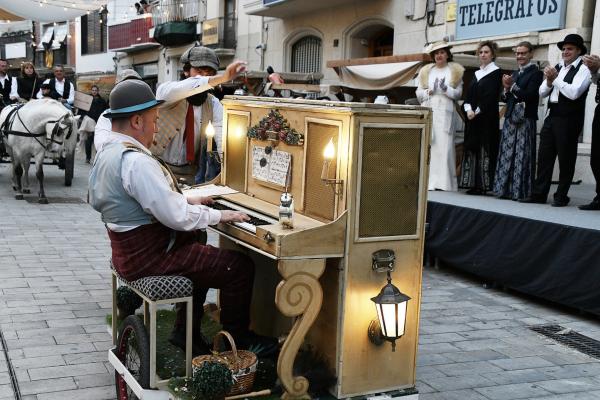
(475, 355)
(513, 391)
(87, 381)
(468, 394)
(468, 368)
(47, 385)
(562, 386)
(449, 383)
(66, 371)
(522, 363)
(97, 393)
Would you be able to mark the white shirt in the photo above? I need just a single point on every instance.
(103, 131)
(172, 92)
(14, 89)
(572, 91)
(144, 180)
(60, 89)
(480, 74)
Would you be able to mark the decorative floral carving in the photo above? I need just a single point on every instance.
(275, 127)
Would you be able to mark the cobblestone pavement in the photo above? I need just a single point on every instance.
(55, 294)
(475, 344)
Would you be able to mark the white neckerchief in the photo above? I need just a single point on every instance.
(488, 69)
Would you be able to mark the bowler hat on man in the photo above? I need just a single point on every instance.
(200, 56)
(574, 39)
(131, 97)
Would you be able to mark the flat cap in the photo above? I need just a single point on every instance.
(200, 56)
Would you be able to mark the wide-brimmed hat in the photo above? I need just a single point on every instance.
(436, 46)
(127, 74)
(200, 56)
(573, 38)
(130, 97)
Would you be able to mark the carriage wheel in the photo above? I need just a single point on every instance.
(69, 168)
(133, 349)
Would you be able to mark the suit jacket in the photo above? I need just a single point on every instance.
(525, 89)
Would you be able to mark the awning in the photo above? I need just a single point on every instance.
(60, 34)
(49, 10)
(46, 36)
(377, 73)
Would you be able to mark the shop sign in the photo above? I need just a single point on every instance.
(210, 31)
(480, 18)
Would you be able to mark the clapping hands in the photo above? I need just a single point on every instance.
(442, 85)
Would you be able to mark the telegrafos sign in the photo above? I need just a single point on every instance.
(478, 18)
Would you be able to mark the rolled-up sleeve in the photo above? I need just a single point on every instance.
(151, 189)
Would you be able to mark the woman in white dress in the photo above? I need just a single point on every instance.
(439, 87)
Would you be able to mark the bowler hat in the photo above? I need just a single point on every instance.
(130, 97)
(575, 39)
(200, 56)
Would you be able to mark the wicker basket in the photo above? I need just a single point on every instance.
(242, 364)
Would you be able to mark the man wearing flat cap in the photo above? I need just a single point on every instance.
(151, 224)
(181, 140)
(567, 86)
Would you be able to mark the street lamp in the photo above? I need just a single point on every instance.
(390, 304)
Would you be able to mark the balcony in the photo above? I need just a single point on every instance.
(289, 8)
(176, 21)
(131, 35)
(220, 34)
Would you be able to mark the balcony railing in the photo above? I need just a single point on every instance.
(220, 33)
(130, 34)
(176, 10)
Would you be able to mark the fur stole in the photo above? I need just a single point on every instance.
(456, 74)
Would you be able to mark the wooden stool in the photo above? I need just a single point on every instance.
(155, 290)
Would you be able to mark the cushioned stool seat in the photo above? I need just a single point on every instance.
(155, 290)
(162, 287)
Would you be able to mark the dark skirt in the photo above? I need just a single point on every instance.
(515, 170)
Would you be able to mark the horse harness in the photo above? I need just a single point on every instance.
(6, 128)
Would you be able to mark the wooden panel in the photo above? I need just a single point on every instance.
(319, 198)
(236, 150)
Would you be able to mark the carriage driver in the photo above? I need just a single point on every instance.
(151, 224)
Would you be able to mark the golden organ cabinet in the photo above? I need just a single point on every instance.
(316, 280)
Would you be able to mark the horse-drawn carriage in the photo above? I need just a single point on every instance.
(43, 129)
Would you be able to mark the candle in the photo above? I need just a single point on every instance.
(210, 134)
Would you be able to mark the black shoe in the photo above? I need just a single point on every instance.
(593, 206)
(262, 346)
(200, 345)
(560, 201)
(533, 199)
(474, 192)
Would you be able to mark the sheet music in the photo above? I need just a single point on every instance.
(208, 190)
(276, 168)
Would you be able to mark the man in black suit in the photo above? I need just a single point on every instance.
(567, 86)
(593, 63)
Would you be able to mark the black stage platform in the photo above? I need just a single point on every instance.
(552, 253)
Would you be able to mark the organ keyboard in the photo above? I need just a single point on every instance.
(370, 195)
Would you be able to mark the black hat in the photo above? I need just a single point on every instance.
(575, 39)
(46, 86)
(130, 97)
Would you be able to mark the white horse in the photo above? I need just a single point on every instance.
(32, 129)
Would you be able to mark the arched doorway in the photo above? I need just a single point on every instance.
(371, 38)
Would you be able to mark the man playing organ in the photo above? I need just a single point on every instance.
(151, 224)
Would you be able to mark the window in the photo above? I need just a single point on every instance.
(93, 33)
(306, 55)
